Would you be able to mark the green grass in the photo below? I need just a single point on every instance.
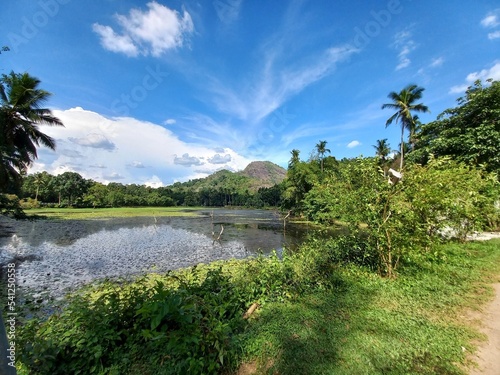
(102, 213)
(316, 317)
(370, 325)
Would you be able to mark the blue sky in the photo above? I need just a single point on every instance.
(154, 92)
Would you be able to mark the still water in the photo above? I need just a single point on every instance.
(56, 256)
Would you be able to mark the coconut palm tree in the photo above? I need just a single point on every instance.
(21, 112)
(404, 104)
(414, 129)
(382, 149)
(39, 179)
(322, 150)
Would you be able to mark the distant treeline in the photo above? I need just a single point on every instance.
(71, 189)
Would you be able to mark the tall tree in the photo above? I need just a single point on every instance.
(322, 150)
(404, 104)
(21, 113)
(414, 129)
(295, 158)
(39, 180)
(469, 133)
(382, 149)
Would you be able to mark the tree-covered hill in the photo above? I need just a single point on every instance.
(257, 174)
(256, 186)
(263, 174)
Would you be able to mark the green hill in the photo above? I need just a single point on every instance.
(257, 174)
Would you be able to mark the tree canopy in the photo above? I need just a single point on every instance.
(404, 104)
(469, 132)
(21, 112)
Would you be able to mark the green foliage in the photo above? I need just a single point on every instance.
(221, 189)
(370, 325)
(404, 104)
(10, 206)
(188, 328)
(442, 199)
(195, 324)
(21, 112)
(320, 313)
(187, 322)
(71, 188)
(301, 177)
(469, 132)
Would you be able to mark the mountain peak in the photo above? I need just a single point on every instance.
(266, 173)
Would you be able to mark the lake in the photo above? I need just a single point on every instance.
(58, 255)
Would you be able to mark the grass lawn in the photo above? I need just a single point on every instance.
(338, 319)
(102, 213)
(370, 325)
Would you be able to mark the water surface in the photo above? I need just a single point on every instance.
(57, 256)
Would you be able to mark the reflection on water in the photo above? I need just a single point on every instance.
(64, 254)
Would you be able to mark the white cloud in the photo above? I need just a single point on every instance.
(436, 62)
(187, 161)
(492, 19)
(154, 182)
(152, 31)
(494, 35)
(142, 150)
(276, 83)
(220, 159)
(353, 144)
(493, 73)
(170, 121)
(136, 164)
(405, 45)
(114, 42)
(95, 141)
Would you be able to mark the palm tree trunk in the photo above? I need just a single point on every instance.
(402, 146)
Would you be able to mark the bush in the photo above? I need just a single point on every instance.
(184, 324)
(10, 206)
(28, 203)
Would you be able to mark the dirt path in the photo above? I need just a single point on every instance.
(488, 354)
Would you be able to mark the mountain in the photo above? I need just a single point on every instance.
(256, 175)
(263, 174)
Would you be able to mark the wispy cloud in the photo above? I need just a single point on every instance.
(284, 66)
(493, 73)
(228, 11)
(306, 130)
(436, 62)
(276, 83)
(366, 117)
(433, 65)
(404, 43)
(149, 32)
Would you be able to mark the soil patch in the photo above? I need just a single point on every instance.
(488, 354)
